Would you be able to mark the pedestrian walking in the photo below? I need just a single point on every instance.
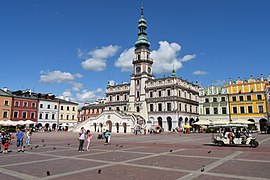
(89, 137)
(81, 139)
(20, 136)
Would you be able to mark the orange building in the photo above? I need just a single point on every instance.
(247, 100)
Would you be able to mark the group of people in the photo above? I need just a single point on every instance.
(105, 135)
(84, 135)
(87, 135)
(7, 137)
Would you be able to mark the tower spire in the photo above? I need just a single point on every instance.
(142, 39)
(173, 72)
(142, 9)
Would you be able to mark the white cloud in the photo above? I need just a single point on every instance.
(99, 90)
(200, 72)
(77, 86)
(188, 57)
(66, 93)
(104, 52)
(96, 60)
(78, 75)
(89, 96)
(125, 60)
(165, 57)
(94, 64)
(57, 77)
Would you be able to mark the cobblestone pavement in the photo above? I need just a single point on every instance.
(163, 156)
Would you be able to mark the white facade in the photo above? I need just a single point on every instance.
(48, 112)
(214, 104)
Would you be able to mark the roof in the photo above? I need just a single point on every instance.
(4, 93)
(94, 106)
(67, 102)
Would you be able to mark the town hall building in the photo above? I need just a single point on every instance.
(146, 102)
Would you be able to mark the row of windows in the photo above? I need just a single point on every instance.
(24, 114)
(48, 106)
(152, 94)
(67, 117)
(215, 110)
(161, 93)
(47, 116)
(55, 107)
(215, 99)
(92, 111)
(25, 104)
(249, 109)
(169, 107)
(248, 97)
(118, 98)
(33, 105)
(234, 98)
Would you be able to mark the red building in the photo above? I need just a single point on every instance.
(24, 106)
(91, 110)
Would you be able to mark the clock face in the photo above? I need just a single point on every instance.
(149, 70)
(138, 69)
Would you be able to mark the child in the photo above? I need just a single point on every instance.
(5, 147)
(28, 135)
(89, 137)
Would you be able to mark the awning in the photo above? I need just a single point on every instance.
(242, 121)
(203, 122)
(8, 123)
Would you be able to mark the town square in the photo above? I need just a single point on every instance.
(135, 90)
(151, 156)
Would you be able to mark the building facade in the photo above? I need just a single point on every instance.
(91, 110)
(214, 104)
(24, 106)
(247, 100)
(48, 109)
(5, 105)
(67, 114)
(145, 102)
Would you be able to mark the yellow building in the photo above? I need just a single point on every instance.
(5, 105)
(247, 100)
(68, 114)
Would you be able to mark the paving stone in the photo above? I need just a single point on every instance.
(127, 172)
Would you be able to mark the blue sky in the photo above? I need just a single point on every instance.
(73, 48)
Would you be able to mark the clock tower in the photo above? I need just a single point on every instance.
(142, 71)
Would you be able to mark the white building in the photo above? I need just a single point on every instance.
(214, 104)
(48, 111)
(145, 102)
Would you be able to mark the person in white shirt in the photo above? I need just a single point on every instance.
(81, 139)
